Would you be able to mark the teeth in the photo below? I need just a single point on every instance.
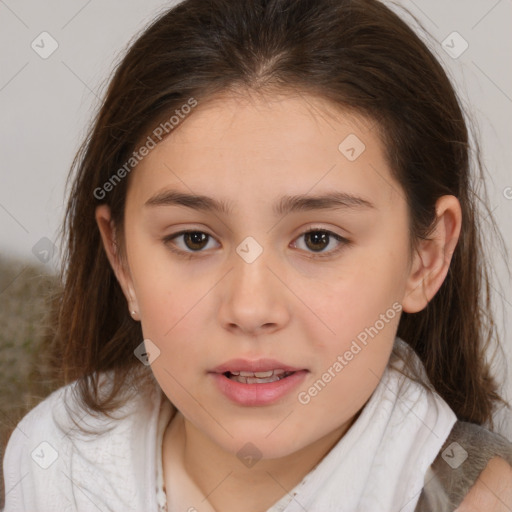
(261, 381)
(261, 375)
(258, 377)
(254, 380)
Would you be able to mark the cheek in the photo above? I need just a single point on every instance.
(165, 305)
(335, 396)
(171, 314)
(361, 293)
(165, 292)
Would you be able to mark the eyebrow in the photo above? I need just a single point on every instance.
(287, 204)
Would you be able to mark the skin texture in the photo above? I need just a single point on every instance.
(249, 151)
(492, 491)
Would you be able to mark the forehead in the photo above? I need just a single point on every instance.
(241, 146)
(270, 126)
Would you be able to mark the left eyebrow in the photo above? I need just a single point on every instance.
(329, 201)
(287, 204)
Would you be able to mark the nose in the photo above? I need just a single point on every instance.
(254, 301)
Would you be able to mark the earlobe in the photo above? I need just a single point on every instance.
(107, 230)
(433, 256)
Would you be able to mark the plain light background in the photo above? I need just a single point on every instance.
(47, 105)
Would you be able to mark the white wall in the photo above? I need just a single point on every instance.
(46, 104)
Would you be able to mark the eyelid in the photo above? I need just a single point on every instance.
(180, 252)
(191, 254)
(343, 242)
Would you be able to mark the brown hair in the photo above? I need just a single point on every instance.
(360, 56)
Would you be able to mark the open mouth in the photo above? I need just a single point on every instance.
(260, 382)
(266, 377)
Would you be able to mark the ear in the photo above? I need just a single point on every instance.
(121, 270)
(432, 258)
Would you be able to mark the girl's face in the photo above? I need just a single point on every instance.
(248, 289)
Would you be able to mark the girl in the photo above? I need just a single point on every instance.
(273, 292)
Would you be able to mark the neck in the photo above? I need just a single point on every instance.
(229, 485)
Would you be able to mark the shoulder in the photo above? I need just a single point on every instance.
(492, 491)
(472, 468)
(60, 456)
(32, 455)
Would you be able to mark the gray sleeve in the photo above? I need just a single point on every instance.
(464, 455)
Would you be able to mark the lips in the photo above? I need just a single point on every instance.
(256, 383)
(258, 366)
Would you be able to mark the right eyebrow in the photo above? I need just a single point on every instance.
(197, 202)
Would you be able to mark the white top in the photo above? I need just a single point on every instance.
(50, 466)
(379, 464)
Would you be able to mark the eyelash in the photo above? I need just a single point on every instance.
(192, 254)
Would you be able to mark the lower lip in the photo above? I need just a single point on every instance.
(258, 394)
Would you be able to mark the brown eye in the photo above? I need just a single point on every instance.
(187, 243)
(195, 240)
(321, 243)
(317, 240)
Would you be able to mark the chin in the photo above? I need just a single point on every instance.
(262, 442)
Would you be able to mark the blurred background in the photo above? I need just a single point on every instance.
(56, 59)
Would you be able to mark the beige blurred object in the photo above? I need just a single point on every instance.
(25, 376)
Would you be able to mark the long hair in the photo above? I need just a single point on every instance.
(357, 54)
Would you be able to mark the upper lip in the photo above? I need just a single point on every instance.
(258, 365)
